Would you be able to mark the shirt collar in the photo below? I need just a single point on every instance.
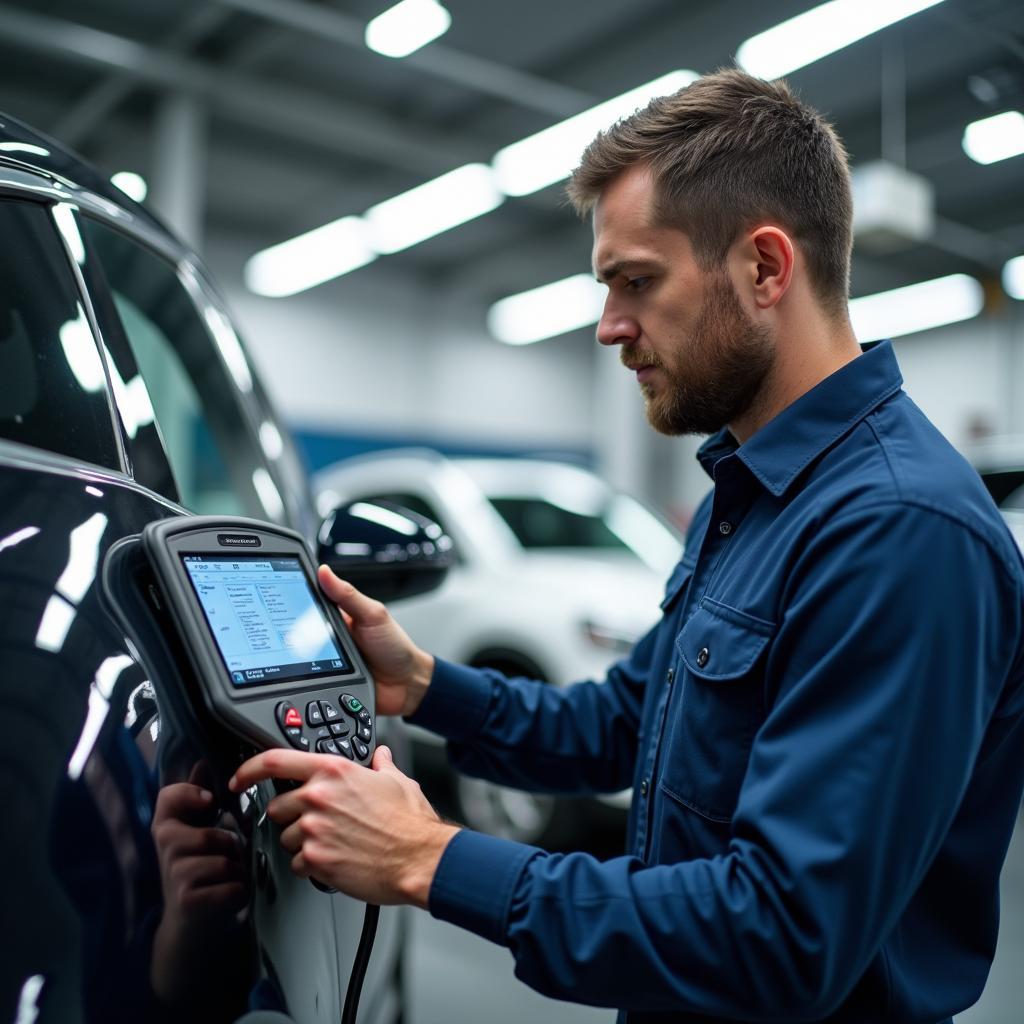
(784, 446)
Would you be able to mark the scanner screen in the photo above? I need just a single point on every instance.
(266, 621)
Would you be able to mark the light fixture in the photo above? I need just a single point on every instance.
(820, 31)
(918, 307)
(1013, 277)
(995, 138)
(131, 184)
(547, 311)
(309, 259)
(435, 206)
(443, 203)
(550, 155)
(406, 27)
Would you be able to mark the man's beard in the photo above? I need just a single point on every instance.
(718, 372)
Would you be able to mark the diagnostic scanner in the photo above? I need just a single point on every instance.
(273, 659)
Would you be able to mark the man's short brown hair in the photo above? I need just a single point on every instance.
(730, 151)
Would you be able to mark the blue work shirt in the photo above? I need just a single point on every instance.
(824, 735)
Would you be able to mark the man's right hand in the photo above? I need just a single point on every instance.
(400, 669)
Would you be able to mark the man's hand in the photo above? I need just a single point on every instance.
(369, 833)
(400, 669)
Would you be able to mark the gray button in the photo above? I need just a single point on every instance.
(671, 675)
(702, 657)
(725, 528)
(643, 788)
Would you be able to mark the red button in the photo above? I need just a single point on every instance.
(293, 718)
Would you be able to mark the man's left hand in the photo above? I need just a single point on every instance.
(368, 832)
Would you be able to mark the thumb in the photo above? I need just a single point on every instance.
(382, 760)
(346, 597)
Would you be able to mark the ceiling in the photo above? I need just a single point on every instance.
(304, 124)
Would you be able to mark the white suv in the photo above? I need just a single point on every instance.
(556, 576)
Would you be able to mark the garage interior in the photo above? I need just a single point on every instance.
(255, 122)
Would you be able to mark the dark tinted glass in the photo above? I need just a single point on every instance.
(53, 391)
(1006, 487)
(175, 396)
(539, 524)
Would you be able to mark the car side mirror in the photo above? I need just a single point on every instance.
(386, 551)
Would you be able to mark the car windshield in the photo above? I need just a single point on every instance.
(620, 524)
(1014, 500)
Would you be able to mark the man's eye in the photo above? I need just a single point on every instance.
(636, 284)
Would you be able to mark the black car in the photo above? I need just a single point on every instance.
(126, 397)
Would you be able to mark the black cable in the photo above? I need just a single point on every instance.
(355, 981)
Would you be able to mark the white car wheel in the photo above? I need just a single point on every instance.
(503, 812)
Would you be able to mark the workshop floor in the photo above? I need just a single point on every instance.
(457, 978)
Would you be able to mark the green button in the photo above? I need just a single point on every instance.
(355, 705)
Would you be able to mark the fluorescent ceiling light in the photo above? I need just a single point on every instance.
(427, 210)
(995, 138)
(131, 184)
(820, 31)
(547, 311)
(310, 259)
(550, 155)
(406, 27)
(918, 307)
(1013, 277)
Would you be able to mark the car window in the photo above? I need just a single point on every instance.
(619, 524)
(540, 524)
(53, 389)
(1006, 488)
(173, 379)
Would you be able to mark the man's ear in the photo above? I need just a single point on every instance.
(768, 259)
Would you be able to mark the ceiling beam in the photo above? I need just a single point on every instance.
(95, 106)
(454, 66)
(290, 113)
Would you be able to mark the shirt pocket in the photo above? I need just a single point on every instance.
(717, 708)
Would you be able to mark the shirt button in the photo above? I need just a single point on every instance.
(643, 788)
(725, 528)
(702, 657)
(670, 675)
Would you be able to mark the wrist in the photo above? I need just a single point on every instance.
(420, 866)
(419, 681)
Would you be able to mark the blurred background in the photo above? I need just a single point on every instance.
(379, 193)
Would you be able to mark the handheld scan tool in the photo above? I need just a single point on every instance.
(272, 658)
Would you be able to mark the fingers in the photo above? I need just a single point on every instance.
(383, 760)
(360, 609)
(278, 763)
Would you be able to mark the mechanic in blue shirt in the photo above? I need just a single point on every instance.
(825, 731)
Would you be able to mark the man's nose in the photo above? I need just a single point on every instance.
(615, 327)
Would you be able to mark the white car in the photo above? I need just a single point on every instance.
(557, 575)
(1000, 461)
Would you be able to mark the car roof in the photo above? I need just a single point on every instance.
(996, 453)
(497, 476)
(22, 146)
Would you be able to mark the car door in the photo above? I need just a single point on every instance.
(157, 411)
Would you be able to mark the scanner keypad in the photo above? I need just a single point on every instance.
(332, 731)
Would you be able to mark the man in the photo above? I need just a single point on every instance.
(825, 732)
